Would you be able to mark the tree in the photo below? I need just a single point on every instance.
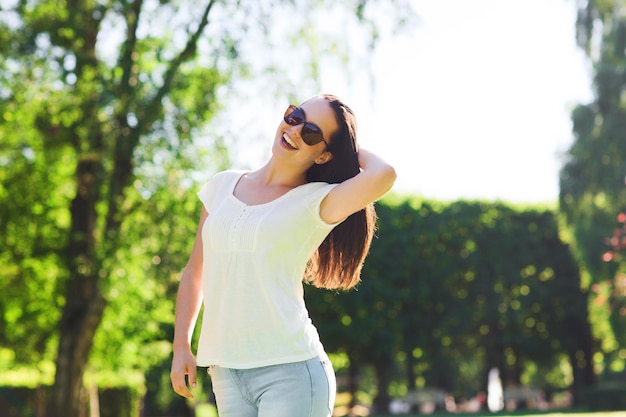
(592, 191)
(100, 102)
(451, 290)
(97, 116)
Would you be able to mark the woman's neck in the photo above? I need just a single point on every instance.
(274, 174)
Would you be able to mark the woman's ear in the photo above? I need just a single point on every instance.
(323, 158)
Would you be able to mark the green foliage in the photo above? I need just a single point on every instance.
(453, 289)
(592, 180)
(153, 249)
(606, 396)
(62, 106)
(35, 186)
(120, 402)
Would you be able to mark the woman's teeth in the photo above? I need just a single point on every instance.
(289, 141)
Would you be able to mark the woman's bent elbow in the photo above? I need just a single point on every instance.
(389, 176)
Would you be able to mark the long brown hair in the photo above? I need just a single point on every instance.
(338, 261)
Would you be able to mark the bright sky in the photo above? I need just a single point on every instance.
(475, 101)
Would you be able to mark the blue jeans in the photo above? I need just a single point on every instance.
(299, 389)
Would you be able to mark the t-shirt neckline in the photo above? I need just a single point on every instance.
(239, 176)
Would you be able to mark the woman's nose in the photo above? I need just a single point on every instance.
(296, 130)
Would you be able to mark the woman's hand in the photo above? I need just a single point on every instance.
(183, 373)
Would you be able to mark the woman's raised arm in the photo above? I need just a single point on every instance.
(375, 180)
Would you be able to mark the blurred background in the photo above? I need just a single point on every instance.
(497, 281)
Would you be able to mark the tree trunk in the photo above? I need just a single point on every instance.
(353, 383)
(84, 303)
(580, 356)
(383, 369)
(410, 370)
(78, 325)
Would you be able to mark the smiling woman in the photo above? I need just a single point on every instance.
(306, 215)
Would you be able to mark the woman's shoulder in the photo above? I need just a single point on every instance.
(317, 185)
(227, 174)
(218, 183)
(223, 178)
(316, 190)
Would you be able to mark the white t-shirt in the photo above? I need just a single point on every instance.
(253, 264)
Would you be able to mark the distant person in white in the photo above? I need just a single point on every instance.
(495, 394)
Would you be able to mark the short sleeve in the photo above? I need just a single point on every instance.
(206, 194)
(212, 188)
(315, 194)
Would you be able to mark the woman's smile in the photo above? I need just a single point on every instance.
(288, 143)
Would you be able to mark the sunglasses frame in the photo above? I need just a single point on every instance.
(308, 128)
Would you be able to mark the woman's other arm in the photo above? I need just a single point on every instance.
(188, 303)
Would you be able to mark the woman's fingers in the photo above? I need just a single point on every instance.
(183, 375)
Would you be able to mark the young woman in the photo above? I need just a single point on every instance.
(306, 215)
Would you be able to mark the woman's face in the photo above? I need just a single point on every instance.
(289, 142)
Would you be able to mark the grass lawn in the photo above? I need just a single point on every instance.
(210, 411)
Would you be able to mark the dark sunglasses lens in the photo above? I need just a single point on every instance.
(311, 134)
(294, 116)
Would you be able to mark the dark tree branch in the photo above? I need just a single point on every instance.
(187, 53)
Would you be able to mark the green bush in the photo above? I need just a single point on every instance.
(23, 401)
(18, 401)
(606, 396)
(119, 402)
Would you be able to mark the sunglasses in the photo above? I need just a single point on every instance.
(311, 133)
